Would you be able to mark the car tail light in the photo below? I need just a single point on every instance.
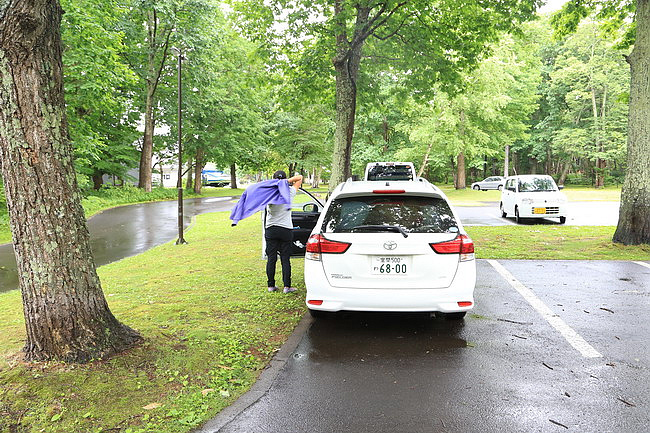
(319, 244)
(388, 191)
(461, 244)
(464, 304)
(315, 302)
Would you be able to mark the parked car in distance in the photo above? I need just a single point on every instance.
(396, 246)
(379, 171)
(493, 182)
(533, 196)
(215, 178)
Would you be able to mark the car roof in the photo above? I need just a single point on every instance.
(362, 188)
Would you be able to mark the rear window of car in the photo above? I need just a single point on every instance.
(390, 172)
(413, 214)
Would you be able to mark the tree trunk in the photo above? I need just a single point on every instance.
(564, 173)
(198, 170)
(346, 67)
(233, 176)
(155, 42)
(601, 164)
(316, 181)
(190, 175)
(98, 181)
(634, 216)
(162, 174)
(66, 315)
(385, 132)
(506, 161)
(425, 160)
(599, 180)
(144, 180)
(460, 170)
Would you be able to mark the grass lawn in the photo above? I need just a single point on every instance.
(113, 197)
(469, 197)
(210, 328)
(552, 243)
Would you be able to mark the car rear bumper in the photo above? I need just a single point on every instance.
(551, 210)
(395, 299)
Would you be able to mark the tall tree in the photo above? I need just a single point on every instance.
(634, 216)
(66, 315)
(149, 27)
(426, 42)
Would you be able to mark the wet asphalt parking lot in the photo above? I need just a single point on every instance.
(551, 346)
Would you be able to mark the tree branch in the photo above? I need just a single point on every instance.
(393, 59)
(373, 28)
(162, 60)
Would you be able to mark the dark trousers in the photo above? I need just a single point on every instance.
(278, 240)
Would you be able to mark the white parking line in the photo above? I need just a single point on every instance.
(643, 264)
(553, 319)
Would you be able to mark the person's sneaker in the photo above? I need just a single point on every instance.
(272, 289)
(289, 289)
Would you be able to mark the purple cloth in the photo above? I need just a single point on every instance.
(255, 197)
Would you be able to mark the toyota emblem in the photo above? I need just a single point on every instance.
(390, 245)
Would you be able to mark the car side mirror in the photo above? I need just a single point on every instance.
(310, 207)
(560, 187)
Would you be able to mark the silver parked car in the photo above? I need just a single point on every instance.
(493, 182)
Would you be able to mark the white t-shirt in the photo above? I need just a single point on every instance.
(278, 215)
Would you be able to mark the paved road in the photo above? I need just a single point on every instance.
(126, 231)
(581, 365)
(585, 213)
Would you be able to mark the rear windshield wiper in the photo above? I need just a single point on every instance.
(396, 229)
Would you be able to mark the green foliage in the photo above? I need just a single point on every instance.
(225, 92)
(616, 17)
(301, 140)
(423, 43)
(426, 47)
(97, 83)
(492, 112)
(583, 107)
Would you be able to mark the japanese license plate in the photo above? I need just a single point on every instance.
(390, 266)
(537, 210)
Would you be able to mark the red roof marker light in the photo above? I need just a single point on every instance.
(388, 191)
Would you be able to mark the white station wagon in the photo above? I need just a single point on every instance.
(389, 246)
(533, 196)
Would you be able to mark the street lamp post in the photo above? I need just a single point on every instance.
(179, 184)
